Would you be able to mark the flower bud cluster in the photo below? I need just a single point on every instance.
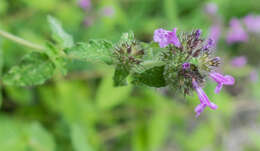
(189, 61)
(128, 54)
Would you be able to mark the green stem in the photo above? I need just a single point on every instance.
(35, 47)
(21, 41)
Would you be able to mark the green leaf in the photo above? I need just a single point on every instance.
(152, 77)
(39, 139)
(127, 38)
(34, 69)
(11, 137)
(153, 51)
(79, 139)
(109, 96)
(57, 58)
(94, 51)
(120, 76)
(19, 95)
(59, 35)
(17, 135)
(139, 138)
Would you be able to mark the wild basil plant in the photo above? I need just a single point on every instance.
(180, 61)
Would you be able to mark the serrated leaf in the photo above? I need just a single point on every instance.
(94, 51)
(120, 76)
(152, 77)
(58, 34)
(34, 69)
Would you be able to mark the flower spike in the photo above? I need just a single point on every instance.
(204, 100)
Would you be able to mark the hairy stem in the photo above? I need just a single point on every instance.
(21, 41)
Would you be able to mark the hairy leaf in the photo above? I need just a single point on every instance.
(152, 77)
(34, 69)
(127, 38)
(57, 58)
(94, 51)
(59, 35)
(120, 76)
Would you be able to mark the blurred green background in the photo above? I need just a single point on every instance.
(84, 112)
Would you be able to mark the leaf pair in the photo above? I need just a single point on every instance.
(35, 68)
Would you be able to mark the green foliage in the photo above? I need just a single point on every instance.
(39, 139)
(152, 77)
(58, 58)
(127, 38)
(159, 125)
(79, 140)
(34, 69)
(93, 51)
(109, 96)
(20, 95)
(84, 111)
(120, 76)
(19, 136)
(63, 39)
(1, 70)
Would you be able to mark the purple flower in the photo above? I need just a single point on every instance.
(215, 31)
(254, 76)
(204, 100)
(221, 80)
(108, 11)
(85, 4)
(210, 43)
(252, 23)
(211, 8)
(165, 37)
(185, 65)
(239, 61)
(197, 34)
(236, 32)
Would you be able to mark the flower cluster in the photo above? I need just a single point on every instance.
(239, 29)
(85, 4)
(128, 54)
(92, 15)
(236, 32)
(239, 61)
(189, 60)
(252, 23)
